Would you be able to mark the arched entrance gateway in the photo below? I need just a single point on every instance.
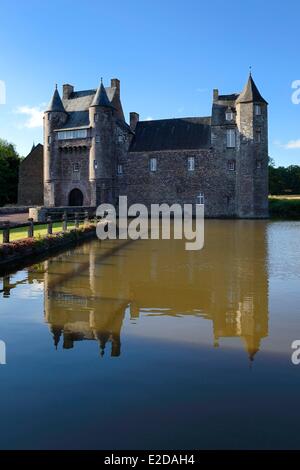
(75, 197)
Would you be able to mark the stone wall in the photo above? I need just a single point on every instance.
(30, 188)
(174, 183)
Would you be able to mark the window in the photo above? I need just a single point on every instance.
(191, 164)
(120, 169)
(49, 116)
(257, 110)
(200, 198)
(76, 134)
(230, 138)
(258, 164)
(49, 139)
(229, 115)
(98, 138)
(120, 139)
(96, 117)
(75, 167)
(258, 137)
(95, 164)
(153, 164)
(231, 165)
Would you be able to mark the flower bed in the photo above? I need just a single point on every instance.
(18, 249)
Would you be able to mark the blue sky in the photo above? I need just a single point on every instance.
(168, 54)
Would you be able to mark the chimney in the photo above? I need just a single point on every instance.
(216, 94)
(67, 90)
(115, 83)
(134, 119)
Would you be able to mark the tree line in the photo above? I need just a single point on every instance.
(9, 170)
(284, 180)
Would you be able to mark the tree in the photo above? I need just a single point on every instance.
(9, 168)
(284, 180)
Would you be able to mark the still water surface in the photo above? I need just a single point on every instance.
(144, 345)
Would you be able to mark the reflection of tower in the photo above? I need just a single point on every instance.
(246, 281)
(74, 306)
(88, 290)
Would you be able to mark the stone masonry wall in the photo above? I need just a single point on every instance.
(30, 188)
(174, 183)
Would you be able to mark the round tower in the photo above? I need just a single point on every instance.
(54, 117)
(101, 151)
(252, 162)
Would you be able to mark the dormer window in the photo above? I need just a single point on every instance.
(229, 116)
(257, 110)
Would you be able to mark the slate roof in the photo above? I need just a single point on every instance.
(231, 97)
(100, 98)
(250, 93)
(77, 107)
(172, 134)
(56, 103)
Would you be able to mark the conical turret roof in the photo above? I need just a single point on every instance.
(56, 103)
(250, 93)
(101, 98)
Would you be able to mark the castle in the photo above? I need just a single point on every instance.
(91, 155)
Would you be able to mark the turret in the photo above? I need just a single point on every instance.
(100, 166)
(55, 116)
(252, 161)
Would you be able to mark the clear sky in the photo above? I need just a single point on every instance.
(168, 54)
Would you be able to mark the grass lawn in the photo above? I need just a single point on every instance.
(39, 230)
(285, 206)
(285, 196)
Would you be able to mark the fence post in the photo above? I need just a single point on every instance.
(6, 232)
(65, 222)
(30, 228)
(49, 225)
(86, 217)
(76, 220)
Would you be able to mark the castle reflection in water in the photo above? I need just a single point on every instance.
(87, 290)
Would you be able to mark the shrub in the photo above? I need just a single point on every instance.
(285, 208)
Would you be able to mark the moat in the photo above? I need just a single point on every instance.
(125, 345)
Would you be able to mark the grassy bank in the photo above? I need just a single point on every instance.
(284, 207)
(16, 251)
(19, 233)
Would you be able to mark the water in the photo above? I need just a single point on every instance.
(142, 344)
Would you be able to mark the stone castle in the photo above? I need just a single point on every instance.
(91, 155)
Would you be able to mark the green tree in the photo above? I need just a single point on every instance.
(9, 167)
(284, 180)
